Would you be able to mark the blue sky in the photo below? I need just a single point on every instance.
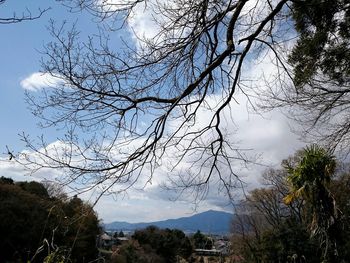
(19, 46)
(20, 58)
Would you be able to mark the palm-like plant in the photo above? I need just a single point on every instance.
(310, 178)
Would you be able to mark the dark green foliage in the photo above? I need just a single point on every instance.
(82, 228)
(30, 220)
(318, 99)
(323, 47)
(132, 252)
(340, 188)
(310, 179)
(165, 242)
(288, 241)
(201, 241)
(34, 188)
(23, 216)
(4, 180)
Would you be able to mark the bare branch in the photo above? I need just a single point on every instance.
(24, 16)
(163, 100)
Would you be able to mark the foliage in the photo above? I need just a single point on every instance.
(5, 180)
(23, 217)
(289, 242)
(202, 241)
(318, 97)
(35, 227)
(81, 228)
(34, 188)
(133, 252)
(340, 188)
(323, 46)
(271, 233)
(57, 256)
(167, 243)
(268, 229)
(312, 173)
(310, 179)
(154, 245)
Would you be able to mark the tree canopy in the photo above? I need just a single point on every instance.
(35, 227)
(155, 245)
(320, 65)
(311, 178)
(298, 216)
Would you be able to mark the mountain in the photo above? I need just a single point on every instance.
(212, 222)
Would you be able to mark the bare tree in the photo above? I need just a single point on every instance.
(161, 102)
(263, 214)
(24, 16)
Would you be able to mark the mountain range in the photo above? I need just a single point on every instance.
(211, 222)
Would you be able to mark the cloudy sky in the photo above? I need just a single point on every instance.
(269, 135)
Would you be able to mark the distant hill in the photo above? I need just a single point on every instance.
(212, 222)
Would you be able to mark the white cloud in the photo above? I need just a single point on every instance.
(37, 81)
(20, 168)
(18, 172)
(141, 19)
(148, 21)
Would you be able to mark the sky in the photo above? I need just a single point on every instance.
(269, 135)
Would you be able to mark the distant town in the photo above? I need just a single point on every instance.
(169, 245)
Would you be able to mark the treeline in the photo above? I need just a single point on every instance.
(300, 215)
(40, 224)
(156, 245)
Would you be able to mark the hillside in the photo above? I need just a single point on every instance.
(213, 222)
